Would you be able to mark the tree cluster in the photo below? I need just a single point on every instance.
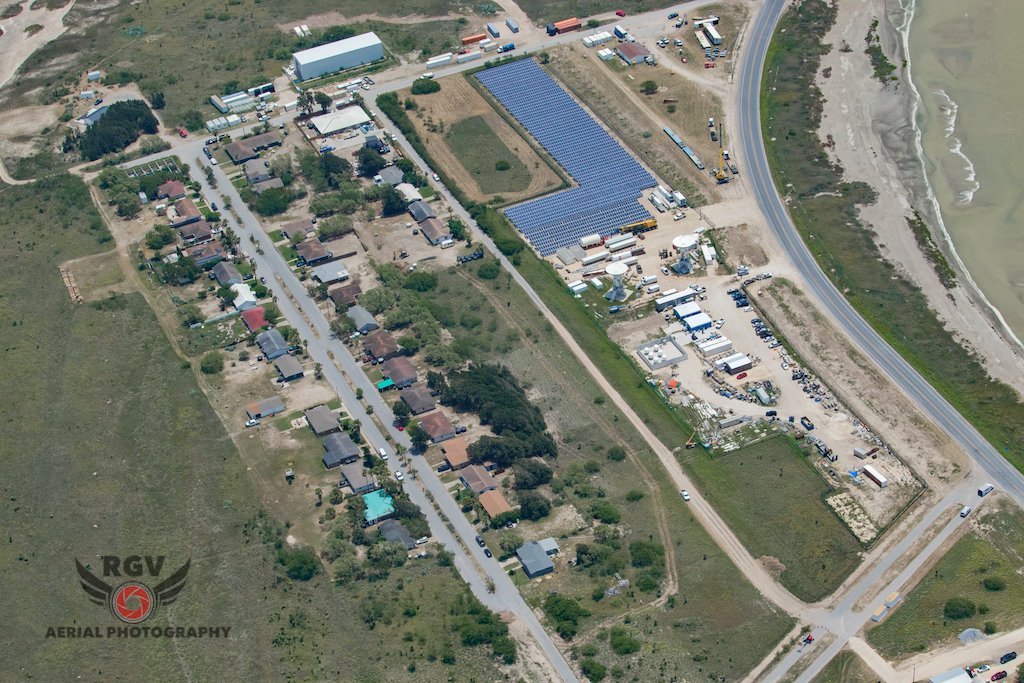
(122, 125)
(324, 171)
(424, 86)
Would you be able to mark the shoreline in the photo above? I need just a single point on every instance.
(931, 199)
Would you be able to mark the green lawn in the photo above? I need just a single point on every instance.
(995, 550)
(846, 667)
(771, 498)
(824, 209)
(480, 151)
(112, 448)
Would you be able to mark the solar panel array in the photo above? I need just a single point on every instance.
(609, 180)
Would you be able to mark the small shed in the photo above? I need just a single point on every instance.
(268, 407)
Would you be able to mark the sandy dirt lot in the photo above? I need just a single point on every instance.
(457, 101)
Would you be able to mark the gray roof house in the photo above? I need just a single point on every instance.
(394, 532)
(418, 399)
(421, 211)
(226, 274)
(272, 344)
(358, 479)
(341, 446)
(364, 320)
(289, 368)
(256, 172)
(322, 420)
(534, 560)
(265, 408)
(392, 175)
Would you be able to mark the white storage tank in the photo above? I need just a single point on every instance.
(590, 241)
(684, 243)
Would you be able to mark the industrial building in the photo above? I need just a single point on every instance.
(672, 298)
(733, 364)
(661, 353)
(715, 347)
(340, 121)
(951, 676)
(633, 53)
(341, 54)
(684, 311)
(698, 322)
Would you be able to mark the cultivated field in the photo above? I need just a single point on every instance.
(981, 568)
(771, 498)
(111, 448)
(846, 667)
(467, 137)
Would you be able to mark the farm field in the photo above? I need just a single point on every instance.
(466, 137)
(695, 589)
(981, 568)
(771, 498)
(846, 667)
(112, 448)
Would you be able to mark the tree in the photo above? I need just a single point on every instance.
(323, 100)
(370, 162)
(565, 613)
(603, 511)
(489, 269)
(502, 165)
(281, 167)
(616, 453)
(306, 102)
(386, 554)
(342, 326)
(457, 228)
(648, 87)
(159, 237)
(533, 506)
(392, 203)
(420, 281)
(959, 608)
(120, 126)
(156, 100)
(212, 363)
(531, 473)
(419, 438)
(594, 670)
(334, 227)
(424, 86)
(300, 565)
(994, 583)
(272, 202)
(190, 315)
(646, 554)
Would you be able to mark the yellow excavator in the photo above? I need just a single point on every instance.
(719, 174)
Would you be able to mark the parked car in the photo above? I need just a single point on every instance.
(685, 494)
(673, 15)
(213, 205)
(211, 141)
(98, 102)
(480, 541)
(488, 553)
(742, 375)
(620, 13)
(383, 453)
(252, 422)
(398, 475)
(808, 425)
(1008, 657)
(998, 676)
(182, 132)
(664, 270)
(435, 177)
(964, 511)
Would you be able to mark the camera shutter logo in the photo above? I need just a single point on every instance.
(133, 601)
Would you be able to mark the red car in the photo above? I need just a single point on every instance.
(182, 132)
(620, 13)
(998, 676)
(741, 375)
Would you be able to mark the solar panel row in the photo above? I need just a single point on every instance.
(609, 180)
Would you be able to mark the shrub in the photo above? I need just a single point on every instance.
(603, 511)
(990, 627)
(299, 565)
(994, 583)
(212, 363)
(489, 270)
(622, 643)
(616, 453)
(593, 669)
(959, 608)
(502, 165)
(424, 86)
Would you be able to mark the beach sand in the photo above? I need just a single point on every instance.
(875, 142)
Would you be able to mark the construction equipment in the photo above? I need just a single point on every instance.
(720, 171)
(691, 442)
(639, 226)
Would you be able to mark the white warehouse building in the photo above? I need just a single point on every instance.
(341, 54)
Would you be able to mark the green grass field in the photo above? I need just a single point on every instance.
(771, 498)
(995, 549)
(543, 11)
(846, 667)
(824, 209)
(112, 448)
(479, 150)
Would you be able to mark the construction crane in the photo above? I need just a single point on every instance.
(720, 171)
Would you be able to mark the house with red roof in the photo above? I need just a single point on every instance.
(255, 318)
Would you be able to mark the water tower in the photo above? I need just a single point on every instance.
(618, 271)
(683, 244)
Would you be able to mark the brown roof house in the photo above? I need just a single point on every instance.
(183, 212)
(196, 233)
(312, 251)
(494, 503)
(420, 401)
(322, 420)
(303, 227)
(456, 453)
(437, 426)
(400, 371)
(381, 345)
(435, 231)
(247, 149)
(344, 296)
(172, 189)
(289, 368)
(477, 479)
(205, 255)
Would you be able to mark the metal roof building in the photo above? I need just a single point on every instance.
(534, 560)
(331, 272)
(364, 320)
(697, 322)
(272, 344)
(340, 121)
(951, 676)
(341, 54)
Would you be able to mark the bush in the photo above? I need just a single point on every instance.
(622, 643)
(160, 237)
(212, 363)
(994, 583)
(616, 453)
(646, 554)
(565, 613)
(424, 86)
(502, 165)
(299, 565)
(593, 669)
(420, 282)
(959, 608)
(990, 627)
(533, 506)
(603, 511)
(489, 270)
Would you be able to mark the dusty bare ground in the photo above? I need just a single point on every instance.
(457, 101)
(868, 131)
(741, 245)
(98, 275)
(16, 44)
(534, 666)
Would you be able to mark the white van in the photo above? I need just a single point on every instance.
(651, 289)
(383, 453)
(429, 74)
(985, 490)
(648, 280)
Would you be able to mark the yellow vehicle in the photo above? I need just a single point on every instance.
(639, 226)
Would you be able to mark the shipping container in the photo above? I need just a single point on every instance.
(469, 57)
(716, 347)
(595, 257)
(680, 199)
(658, 202)
(567, 25)
(488, 46)
(493, 30)
(512, 25)
(875, 476)
(666, 194)
(702, 39)
(475, 38)
(440, 60)
(590, 241)
(606, 55)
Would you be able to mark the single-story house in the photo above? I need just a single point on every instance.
(303, 226)
(331, 460)
(344, 296)
(477, 479)
(196, 233)
(289, 368)
(205, 255)
(364, 320)
(312, 251)
(322, 420)
(409, 192)
(172, 189)
(373, 142)
(183, 212)
(379, 506)
(272, 344)
(330, 272)
(392, 175)
(255, 319)
(633, 53)
(226, 274)
(421, 211)
(239, 152)
(456, 453)
(435, 231)
(535, 561)
(394, 532)
(256, 171)
(244, 297)
(419, 400)
(268, 407)
(342, 446)
(400, 371)
(381, 344)
(247, 149)
(357, 478)
(494, 503)
(261, 187)
(437, 426)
